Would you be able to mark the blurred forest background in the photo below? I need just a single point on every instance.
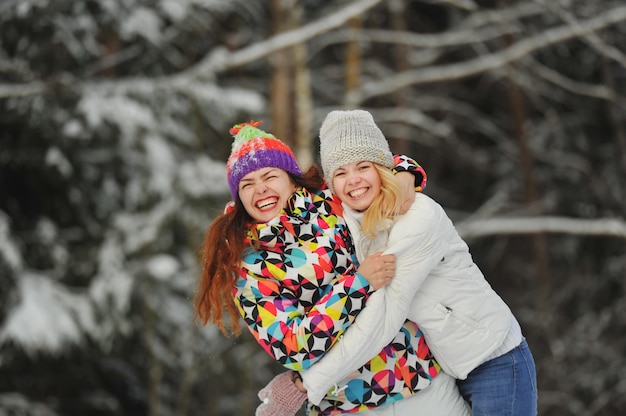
(114, 118)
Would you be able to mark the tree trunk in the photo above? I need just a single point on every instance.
(304, 145)
(400, 144)
(281, 78)
(154, 367)
(353, 56)
(517, 104)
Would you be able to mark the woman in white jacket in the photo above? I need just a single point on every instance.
(468, 327)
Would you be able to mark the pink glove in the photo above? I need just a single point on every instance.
(280, 397)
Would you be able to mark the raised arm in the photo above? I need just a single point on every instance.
(406, 164)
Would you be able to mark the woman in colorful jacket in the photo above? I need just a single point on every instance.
(469, 328)
(284, 255)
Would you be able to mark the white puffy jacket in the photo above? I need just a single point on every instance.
(436, 284)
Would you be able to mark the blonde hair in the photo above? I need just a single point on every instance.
(386, 205)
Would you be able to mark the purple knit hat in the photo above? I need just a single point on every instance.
(254, 149)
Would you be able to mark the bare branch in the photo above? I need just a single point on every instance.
(488, 62)
(440, 40)
(461, 4)
(610, 227)
(504, 17)
(114, 59)
(416, 118)
(591, 38)
(211, 65)
(417, 40)
(597, 91)
(465, 110)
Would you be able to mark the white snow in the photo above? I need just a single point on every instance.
(227, 102)
(24, 7)
(161, 163)
(48, 316)
(56, 158)
(73, 128)
(203, 176)
(129, 115)
(162, 266)
(144, 23)
(142, 229)
(174, 9)
(8, 248)
(113, 282)
(18, 404)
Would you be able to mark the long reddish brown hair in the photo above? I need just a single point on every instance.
(221, 254)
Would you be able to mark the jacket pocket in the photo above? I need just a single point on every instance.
(457, 341)
(442, 318)
(434, 320)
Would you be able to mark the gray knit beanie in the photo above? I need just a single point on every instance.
(351, 136)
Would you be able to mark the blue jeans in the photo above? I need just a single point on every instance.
(504, 386)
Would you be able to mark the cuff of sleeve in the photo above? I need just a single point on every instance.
(366, 284)
(314, 397)
(406, 164)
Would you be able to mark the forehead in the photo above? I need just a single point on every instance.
(259, 173)
(355, 164)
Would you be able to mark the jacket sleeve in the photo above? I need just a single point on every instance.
(404, 163)
(277, 319)
(414, 240)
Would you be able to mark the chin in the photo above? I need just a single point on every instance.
(362, 207)
(269, 216)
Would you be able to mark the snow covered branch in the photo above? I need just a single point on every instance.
(502, 17)
(218, 61)
(223, 60)
(609, 227)
(487, 62)
(22, 90)
(433, 41)
(580, 88)
(591, 38)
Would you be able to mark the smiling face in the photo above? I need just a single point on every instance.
(357, 184)
(264, 192)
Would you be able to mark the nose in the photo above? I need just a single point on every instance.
(352, 179)
(261, 188)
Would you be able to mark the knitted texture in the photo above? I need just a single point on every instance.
(255, 149)
(351, 136)
(280, 397)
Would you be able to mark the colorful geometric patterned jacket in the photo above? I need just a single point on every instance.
(300, 291)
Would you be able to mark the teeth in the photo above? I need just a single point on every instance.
(266, 203)
(357, 193)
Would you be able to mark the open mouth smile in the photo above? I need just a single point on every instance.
(357, 192)
(266, 203)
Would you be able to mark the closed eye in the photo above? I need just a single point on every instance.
(364, 165)
(271, 174)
